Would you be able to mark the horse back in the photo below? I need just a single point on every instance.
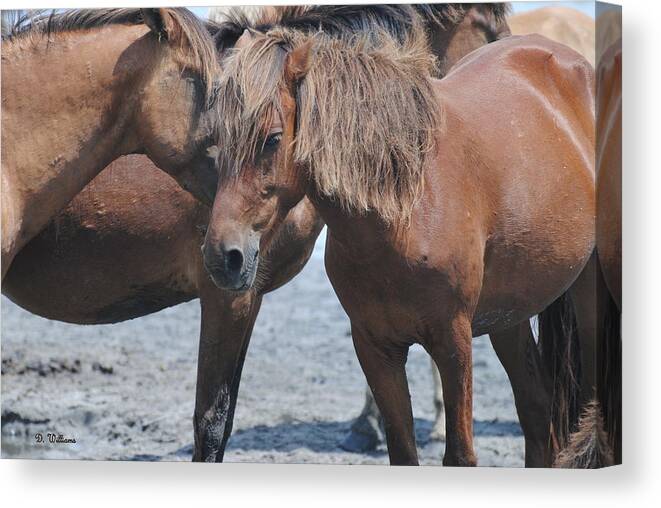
(545, 66)
(521, 108)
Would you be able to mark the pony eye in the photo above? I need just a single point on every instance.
(273, 139)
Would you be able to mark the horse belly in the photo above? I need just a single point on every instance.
(120, 250)
(526, 273)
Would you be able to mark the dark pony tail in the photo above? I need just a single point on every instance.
(609, 363)
(595, 439)
(559, 348)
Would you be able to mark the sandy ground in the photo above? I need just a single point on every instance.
(126, 391)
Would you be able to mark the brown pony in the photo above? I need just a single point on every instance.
(128, 244)
(110, 82)
(452, 31)
(439, 229)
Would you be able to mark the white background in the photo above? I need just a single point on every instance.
(101, 484)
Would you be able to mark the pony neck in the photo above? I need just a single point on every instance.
(68, 106)
(361, 236)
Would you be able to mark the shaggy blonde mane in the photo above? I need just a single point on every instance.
(366, 114)
(397, 19)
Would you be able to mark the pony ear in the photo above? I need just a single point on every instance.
(162, 23)
(298, 62)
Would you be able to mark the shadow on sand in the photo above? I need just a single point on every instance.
(325, 437)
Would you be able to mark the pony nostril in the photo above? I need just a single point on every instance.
(234, 260)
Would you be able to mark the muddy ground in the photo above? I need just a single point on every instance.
(126, 391)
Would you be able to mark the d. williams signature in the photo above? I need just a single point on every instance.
(53, 438)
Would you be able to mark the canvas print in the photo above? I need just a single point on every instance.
(227, 230)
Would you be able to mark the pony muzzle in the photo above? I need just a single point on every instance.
(232, 266)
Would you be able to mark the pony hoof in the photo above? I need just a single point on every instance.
(360, 442)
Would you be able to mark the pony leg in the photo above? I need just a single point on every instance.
(453, 354)
(9, 228)
(384, 368)
(227, 323)
(518, 353)
(367, 429)
(438, 430)
(365, 434)
(583, 293)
